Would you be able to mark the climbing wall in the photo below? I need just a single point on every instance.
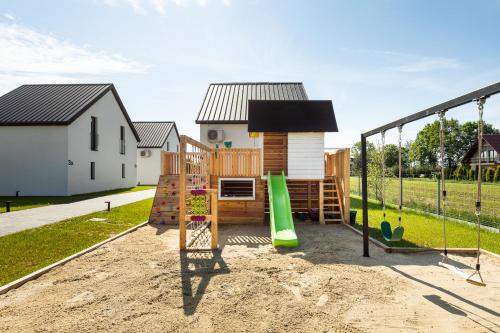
(165, 208)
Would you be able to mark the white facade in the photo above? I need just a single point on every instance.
(108, 160)
(55, 160)
(237, 133)
(149, 166)
(306, 156)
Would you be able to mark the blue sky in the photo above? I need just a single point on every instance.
(377, 60)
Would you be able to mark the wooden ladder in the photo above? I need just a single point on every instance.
(332, 207)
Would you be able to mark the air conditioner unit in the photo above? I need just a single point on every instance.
(145, 153)
(215, 135)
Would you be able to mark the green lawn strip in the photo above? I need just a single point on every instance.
(423, 230)
(21, 203)
(422, 194)
(27, 251)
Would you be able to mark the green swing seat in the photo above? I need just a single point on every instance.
(389, 234)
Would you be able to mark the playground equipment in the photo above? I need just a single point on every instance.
(281, 220)
(385, 227)
(197, 202)
(471, 278)
(479, 96)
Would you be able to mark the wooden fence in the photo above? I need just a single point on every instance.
(338, 165)
(234, 162)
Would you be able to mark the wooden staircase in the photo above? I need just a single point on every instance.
(332, 206)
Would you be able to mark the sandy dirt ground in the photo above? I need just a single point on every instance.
(141, 283)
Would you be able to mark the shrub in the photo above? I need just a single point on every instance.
(496, 177)
(488, 174)
(471, 174)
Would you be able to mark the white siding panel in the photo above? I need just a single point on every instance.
(108, 160)
(34, 160)
(306, 156)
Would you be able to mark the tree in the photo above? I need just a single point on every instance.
(356, 156)
(425, 150)
(375, 173)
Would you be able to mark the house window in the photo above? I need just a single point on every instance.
(92, 170)
(236, 189)
(94, 137)
(177, 148)
(168, 146)
(122, 140)
(123, 170)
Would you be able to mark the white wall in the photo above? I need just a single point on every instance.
(33, 160)
(306, 156)
(108, 159)
(172, 142)
(149, 168)
(237, 133)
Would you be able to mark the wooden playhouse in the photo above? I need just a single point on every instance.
(248, 130)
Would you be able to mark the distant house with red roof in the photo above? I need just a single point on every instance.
(490, 155)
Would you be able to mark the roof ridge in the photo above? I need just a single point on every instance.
(154, 121)
(66, 84)
(258, 82)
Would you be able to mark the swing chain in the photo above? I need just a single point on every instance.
(383, 173)
(400, 213)
(480, 106)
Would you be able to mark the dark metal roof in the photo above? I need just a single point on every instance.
(291, 116)
(492, 139)
(153, 134)
(227, 102)
(53, 104)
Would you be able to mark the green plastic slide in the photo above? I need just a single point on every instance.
(282, 230)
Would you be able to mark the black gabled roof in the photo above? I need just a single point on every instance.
(227, 102)
(153, 134)
(291, 116)
(53, 104)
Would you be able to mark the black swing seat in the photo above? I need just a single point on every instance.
(390, 235)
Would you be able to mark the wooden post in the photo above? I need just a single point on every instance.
(182, 194)
(347, 185)
(214, 229)
(321, 201)
(309, 195)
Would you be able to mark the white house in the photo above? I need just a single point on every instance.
(155, 136)
(65, 139)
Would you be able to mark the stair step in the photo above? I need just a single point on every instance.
(331, 212)
(333, 220)
(331, 204)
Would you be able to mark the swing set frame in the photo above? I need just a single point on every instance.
(445, 107)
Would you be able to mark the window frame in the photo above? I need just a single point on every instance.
(123, 171)
(94, 136)
(219, 190)
(122, 140)
(92, 170)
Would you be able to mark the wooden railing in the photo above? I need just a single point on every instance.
(338, 165)
(236, 162)
(169, 163)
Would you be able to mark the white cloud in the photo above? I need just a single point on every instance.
(428, 64)
(9, 16)
(30, 56)
(160, 6)
(141, 7)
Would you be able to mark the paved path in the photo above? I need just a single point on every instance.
(36, 217)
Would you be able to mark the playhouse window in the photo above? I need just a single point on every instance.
(236, 189)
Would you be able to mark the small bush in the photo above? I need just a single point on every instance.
(488, 174)
(496, 177)
(471, 174)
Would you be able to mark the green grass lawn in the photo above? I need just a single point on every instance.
(32, 202)
(422, 194)
(27, 251)
(423, 230)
